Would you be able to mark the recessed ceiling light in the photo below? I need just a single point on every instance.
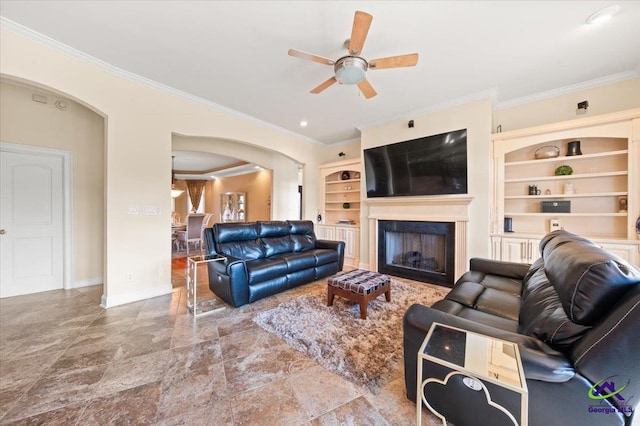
(603, 15)
(303, 123)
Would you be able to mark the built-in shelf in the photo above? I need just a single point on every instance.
(554, 196)
(513, 214)
(568, 177)
(564, 159)
(335, 192)
(605, 182)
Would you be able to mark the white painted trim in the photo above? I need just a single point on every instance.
(67, 194)
(77, 54)
(589, 84)
(86, 283)
(134, 296)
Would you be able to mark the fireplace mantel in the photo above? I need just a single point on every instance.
(452, 208)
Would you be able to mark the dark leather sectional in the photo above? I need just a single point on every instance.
(265, 258)
(575, 315)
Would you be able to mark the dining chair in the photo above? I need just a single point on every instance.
(193, 233)
(209, 220)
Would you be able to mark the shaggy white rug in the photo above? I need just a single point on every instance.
(367, 352)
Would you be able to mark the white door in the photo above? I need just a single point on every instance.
(31, 220)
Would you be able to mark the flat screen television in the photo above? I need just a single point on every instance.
(432, 165)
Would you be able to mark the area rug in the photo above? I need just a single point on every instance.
(366, 352)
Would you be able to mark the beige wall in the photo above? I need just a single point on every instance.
(140, 123)
(476, 118)
(81, 131)
(351, 150)
(603, 99)
(257, 186)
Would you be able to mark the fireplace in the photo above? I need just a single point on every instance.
(453, 210)
(417, 250)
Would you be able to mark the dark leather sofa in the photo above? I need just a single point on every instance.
(265, 258)
(575, 315)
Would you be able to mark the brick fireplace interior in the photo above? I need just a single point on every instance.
(418, 250)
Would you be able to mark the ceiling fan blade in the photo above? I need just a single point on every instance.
(311, 57)
(361, 24)
(324, 85)
(409, 60)
(366, 88)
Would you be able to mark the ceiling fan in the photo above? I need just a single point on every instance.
(352, 68)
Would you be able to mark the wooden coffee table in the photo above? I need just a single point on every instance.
(358, 286)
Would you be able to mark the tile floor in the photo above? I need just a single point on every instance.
(66, 361)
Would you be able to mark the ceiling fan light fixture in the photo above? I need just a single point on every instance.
(350, 69)
(603, 15)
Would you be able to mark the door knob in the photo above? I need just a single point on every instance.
(2, 232)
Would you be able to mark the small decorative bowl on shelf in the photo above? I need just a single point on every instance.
(345, 175)
(551, 151)
(564, 170)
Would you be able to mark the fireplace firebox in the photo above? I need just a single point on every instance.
(417, 250)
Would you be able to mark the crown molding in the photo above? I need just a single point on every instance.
(484, 94)
(589, 84)
(77, 54)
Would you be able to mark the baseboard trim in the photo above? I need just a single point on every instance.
(86, 283)
(135, 296)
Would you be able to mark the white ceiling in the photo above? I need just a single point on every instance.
(234, 53)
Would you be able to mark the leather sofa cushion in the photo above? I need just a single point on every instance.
(466, 293)
(588, 280)
(267, 288)
(277, 245)
(302, 235)
(542, 315)
(489, 319)
(260, 270)
(231, 232)
(275, 237)
(325, 256)
(242, 249)
(273, 228)
(499, 303)
(238, 240)
(298, 261)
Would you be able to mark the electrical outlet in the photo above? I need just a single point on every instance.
(129, 276)
(133, 209)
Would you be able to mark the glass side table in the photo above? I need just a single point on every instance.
(483, 362)
(206, 306)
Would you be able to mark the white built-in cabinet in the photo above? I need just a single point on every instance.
(340, 206)
(233, 207)
(605, 185)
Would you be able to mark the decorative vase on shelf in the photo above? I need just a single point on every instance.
(345, 175)
(569, 188)
(346, 205)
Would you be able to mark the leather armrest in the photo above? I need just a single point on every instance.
(539, 361)
(329, 244)
(224, 266)
(553, 368)
(499, 268)
(333, 245)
